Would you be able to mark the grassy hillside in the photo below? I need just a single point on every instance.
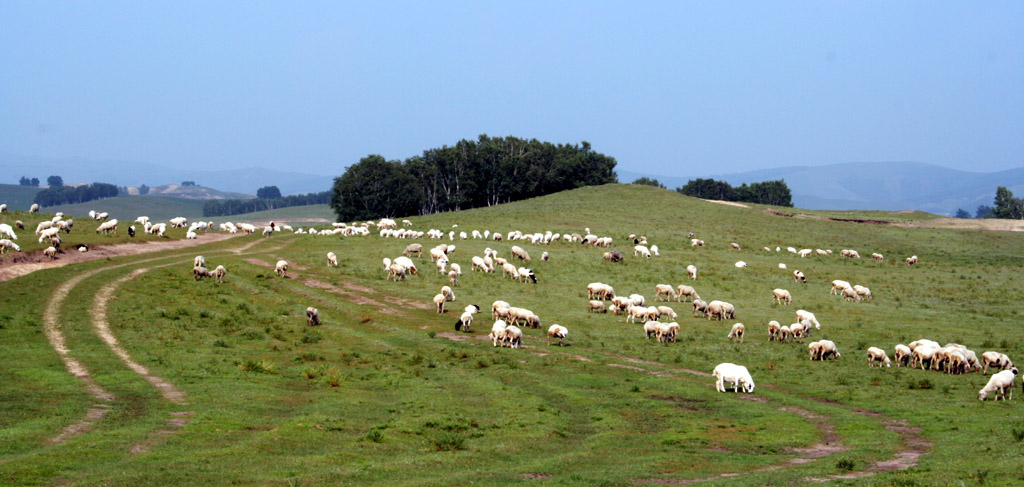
(385, 392)
(17, 197)
(126, 208)
(297, 215)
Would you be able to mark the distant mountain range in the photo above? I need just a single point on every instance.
(130, 173)
(874, 185)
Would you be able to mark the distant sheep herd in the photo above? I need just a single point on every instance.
(505, 331)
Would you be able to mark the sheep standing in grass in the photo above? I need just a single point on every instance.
(737, 332)
(641, 251)
(691, 270)
(912, 260)
(557, 331)
(34, 208)
(51, 252)
(667, 312)
(6, 229)
(664, 290)
(799, 277)
(219, 273)
(667, 332)
(3, 207)
(518, 252)
(784, 333)
(877, 256)
(199, 272)
(774, 330)
(803, 315)
(514, 336)
(876, 354)
(312, 316)
(862, 291)
(408, 264)
(651, 328)
(838, 285)
(439, 301)
(995, 359)
(464, 321)
(850, 294)
(999, 383)
(822, 349)
(596, 307)
(737, 375)
(613, 256)
(448, 294)
(700, 308)
(782, 296)
(902, 355)
(281, 268)
(688, 291)
(498, 332)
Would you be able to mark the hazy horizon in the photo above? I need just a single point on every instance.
(667, 88)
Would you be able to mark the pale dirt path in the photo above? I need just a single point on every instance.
(22, 264)
(51, 328)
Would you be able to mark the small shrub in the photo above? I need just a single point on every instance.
(450, 441)
(220, 343)
(333, 377)
(431, 333)
(980, 475)
(923, 384)
(251, 334)
(244, 307)
(1018, 434)
(635, 388)
(845, 465)
(311, 337)
(263, 366)
(375, 436)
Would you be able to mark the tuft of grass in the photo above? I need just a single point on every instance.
(1018, 434)
(845, 465)
(375, 436)
(220, 343)
(923, 384)
(450, 441)
(262, 366)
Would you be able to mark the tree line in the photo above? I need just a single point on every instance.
(67, 195)
(774, 193)
(238, 207)
(471, 174)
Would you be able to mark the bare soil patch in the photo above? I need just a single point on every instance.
(730, 203)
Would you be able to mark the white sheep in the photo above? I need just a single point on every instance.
(34, 208)
(774, 330)
(48, 234)
(3, 207)
(863, 292)
(876, 354)
(654, 250)
(520, 253)
(199, 261)
(50, 252)
(219, 273)
(999, 383)
(805, 253)
(408, 264)
(106, 227)
(995, 359)
(449, 295)
(912, 260)
(902, 355)
(740, 264)
(877, 256)
(691, 270)
(782, 296)
(667, 312)
(667, 332)
(802, 315)
(596, 307)
(651, 328)
(281, 268)
(822, 349)
(464, 322)
(332, 259)
(6, 229)
(837, 286)
(737, 331)
(688, 291)
(181, 222)
(641, 251)
(312, 316)
(664, 290)
(850, 295)
(737, 375)
(557, 331)
(799, 277)
(513, 336)
(439, 300)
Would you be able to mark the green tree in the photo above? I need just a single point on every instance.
(55, 181)
(34, 182)
(375, 188)
(143, 189)
(646, 181)
(188, 183)
(983, 211)
(24, 181)
(961, 213)
(268, 192)
(1006, 206)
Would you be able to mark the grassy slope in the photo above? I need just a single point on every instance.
(17, 197)
(127, 208)
(404, 395)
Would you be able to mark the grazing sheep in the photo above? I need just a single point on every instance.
(281, 268)
(805, 253)
(199, 272)
(691, 270)
(838, 285)
(822, 349)
(999, 383)
(498, 332)
(34, 208)
(774, 330)
(396, 271)
(740, 264)
(518, 252)
(596, 307)
(654, 250)
(862, 291)
(667, 332)
(106, 227)
(902, 355)
(876, 354)
(784, 334)
(850, 254)
(332, 259)
(544, 257)
(799, 330)
(439, 301)
(721, 310)
(19, 224)
(877, 256)
(456, 267)
(696, 242)
(737, 375)
(688, 291)
(523, 274)
(802, 315)
(781, 265)
(408, 264)
(50, 252)
(651, 328)
(641, 251)
(782, 296)
(453, 278)
(557, 331)
(995, 359)
(667, 312)
(219, 273)
(513, 336)
(613, 256)
(3, 207)
(509, 270)
(700, 307)
(664, 290)
(799, 277)
(924, 353)
(414, 248)
(735, 246)
(464, 321)
(850, 295)
(199, 261)
(441, 263)
(448, 294)
(912, 260)
(737, 332)
(312, 316)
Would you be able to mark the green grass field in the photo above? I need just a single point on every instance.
(229, 385)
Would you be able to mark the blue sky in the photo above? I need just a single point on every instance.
(673, 88)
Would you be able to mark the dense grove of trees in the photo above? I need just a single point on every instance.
(66, 195)
(55, 181)
(237, 207)
(188, 183)
(24, 181)
(470, 174)
(768, 192)
(268, 192)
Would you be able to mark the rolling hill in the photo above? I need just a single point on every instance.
(890, 186)
(17, 197)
